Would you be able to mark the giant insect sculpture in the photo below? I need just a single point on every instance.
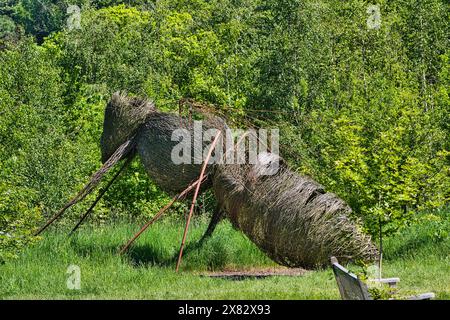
(288, 216)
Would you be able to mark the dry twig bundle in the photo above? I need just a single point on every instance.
(123, 117)
(156, 144)
(289, 217)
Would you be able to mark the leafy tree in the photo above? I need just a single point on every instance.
(365, 111)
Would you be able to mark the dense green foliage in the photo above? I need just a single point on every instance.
(363, 111)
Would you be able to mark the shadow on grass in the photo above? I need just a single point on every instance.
(416, 244)
(148, 255)
(139, 254)
(406, 250)
(429, 237)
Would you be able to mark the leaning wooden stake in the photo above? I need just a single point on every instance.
(195, 198)
(159, 214)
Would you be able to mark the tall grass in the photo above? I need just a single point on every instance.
(419, 255)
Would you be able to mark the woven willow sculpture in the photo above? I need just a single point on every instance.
(288, 216)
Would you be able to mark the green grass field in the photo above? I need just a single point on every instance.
(419, 256)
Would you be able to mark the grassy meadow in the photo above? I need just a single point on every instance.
(419, 255)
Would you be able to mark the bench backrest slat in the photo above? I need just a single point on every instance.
(350, 287)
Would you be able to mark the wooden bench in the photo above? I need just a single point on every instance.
(352, 288)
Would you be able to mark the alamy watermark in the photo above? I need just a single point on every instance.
(74, 19)
(234, 146)
(74, 280)
(374, 19)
